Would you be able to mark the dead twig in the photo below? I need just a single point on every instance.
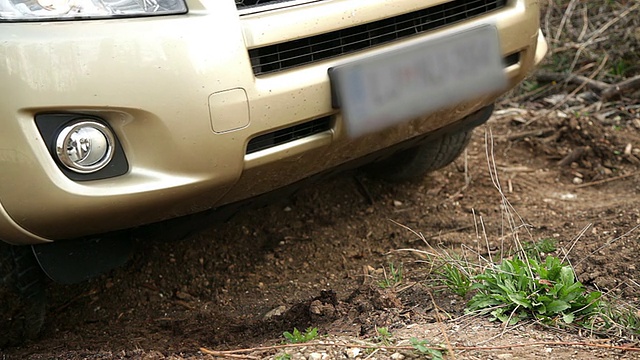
(606, 91)
(531, 133)
(624, 86)
(567, 14)
(596, 85)
(574, 155)
(226, 354)
(604, 181)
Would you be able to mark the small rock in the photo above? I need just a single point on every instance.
(317, 307)
(315, 356)
(505, 356)
(397, 356)
(397, 203)
(275, 312)
(577, 181)
(353, 353)
(184, 296)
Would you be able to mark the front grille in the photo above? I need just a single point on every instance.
(311, 49)
(289, 134)
(242, 4)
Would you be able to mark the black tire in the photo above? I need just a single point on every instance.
(415, 162)
(22, 295)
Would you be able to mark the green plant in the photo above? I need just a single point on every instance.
(620, 68)
(384, 336)
(547, 291)
(528, 85)
(455, 279)
(542, 246)
(298, 337)
(422, 347)
(393, 278)
(619, 318)
(284, 356)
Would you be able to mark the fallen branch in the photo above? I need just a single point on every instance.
(596, 85)
(606, 91)
(574, 155)
(531, 133)
(627, 85)
(599, 182)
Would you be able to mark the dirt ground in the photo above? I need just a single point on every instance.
(316, 259)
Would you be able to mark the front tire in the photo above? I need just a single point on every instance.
(415, 162)
(22, 295)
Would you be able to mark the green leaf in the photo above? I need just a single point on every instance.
(568, 318)
(566, 275)
(482, 302)
(557, 306)
(520, 300)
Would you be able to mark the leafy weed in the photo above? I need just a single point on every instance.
(298, 337)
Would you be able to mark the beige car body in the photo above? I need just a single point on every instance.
(180, 94)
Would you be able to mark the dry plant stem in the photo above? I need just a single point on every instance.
(573, 243)
(585, 22)
(509, 210)
(547, 16)
(567, 15)
(599, 32)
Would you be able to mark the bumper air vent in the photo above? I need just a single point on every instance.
(289, 134)
(299, 52)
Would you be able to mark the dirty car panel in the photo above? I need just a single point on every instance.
(112, 118)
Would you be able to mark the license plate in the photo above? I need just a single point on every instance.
(403, 84)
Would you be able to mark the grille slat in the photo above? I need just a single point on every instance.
(289, 134)
(299, 52)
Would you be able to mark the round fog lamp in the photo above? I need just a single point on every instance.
(85, 147)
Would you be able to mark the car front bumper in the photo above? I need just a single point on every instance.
(181, 96)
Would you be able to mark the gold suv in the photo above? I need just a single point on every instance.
(116, 114)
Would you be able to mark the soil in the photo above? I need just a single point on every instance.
(318, 258)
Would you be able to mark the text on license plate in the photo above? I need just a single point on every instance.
(381, 90)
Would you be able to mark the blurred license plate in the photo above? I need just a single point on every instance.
(402, 84)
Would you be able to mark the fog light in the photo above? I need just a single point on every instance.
(85, 147)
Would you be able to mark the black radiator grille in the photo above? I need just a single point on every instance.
(289, 134)
(308, 50)
(242, 4)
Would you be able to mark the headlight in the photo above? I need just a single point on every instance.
(33, 10)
